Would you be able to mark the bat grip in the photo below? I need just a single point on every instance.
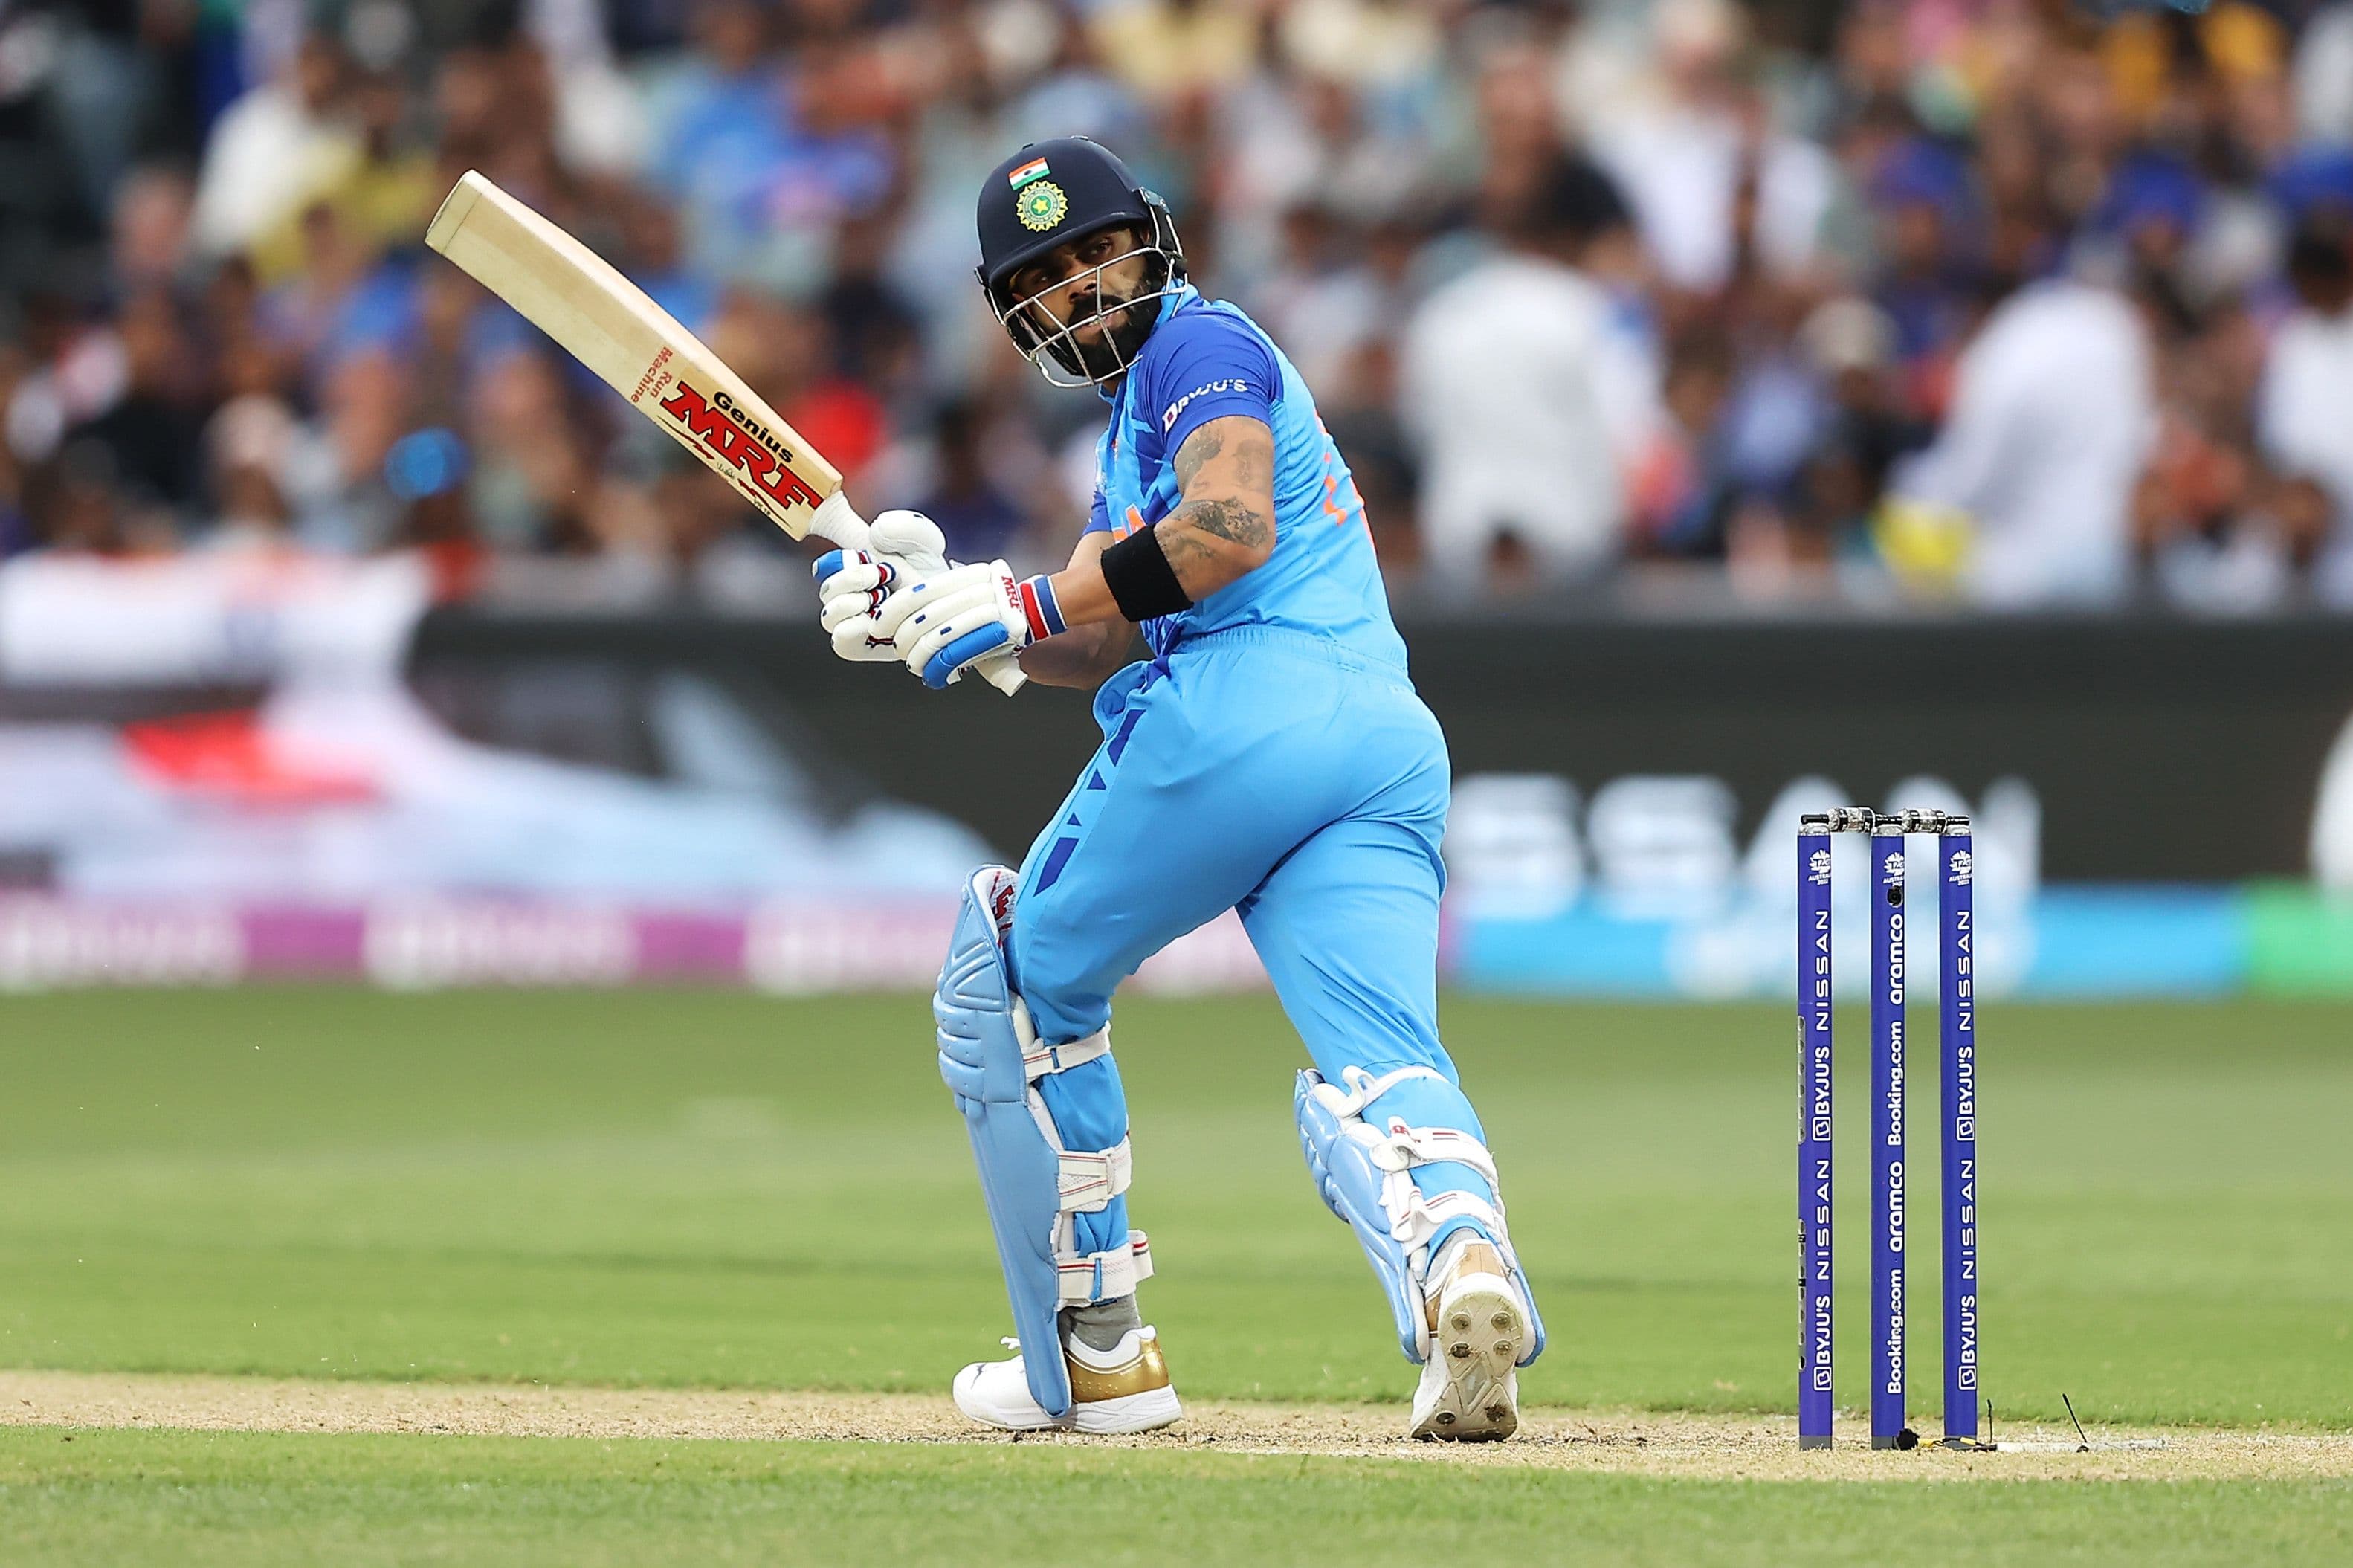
(836, 520)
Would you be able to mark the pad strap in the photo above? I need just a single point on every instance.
(1037, 1059)
(1105, 1276)
(1415, 1216)
(1405, 1147)
(1364, 1087)
(1089, 1182)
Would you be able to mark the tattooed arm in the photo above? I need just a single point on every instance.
(1223, 529)
(1225, 525)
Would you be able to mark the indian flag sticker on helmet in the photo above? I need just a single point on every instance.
(1042, 205)
(1035, 169)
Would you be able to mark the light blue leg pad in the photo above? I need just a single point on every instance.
(1351, 1188)
(1371, 1171)
(1049, 1130)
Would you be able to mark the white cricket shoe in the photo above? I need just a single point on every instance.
(1470, 1389)
(1124, 1389)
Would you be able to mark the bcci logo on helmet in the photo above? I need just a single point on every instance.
(1041, 205)
(1964, 867)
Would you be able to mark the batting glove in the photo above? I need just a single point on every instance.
(946, 622)
(852, 586)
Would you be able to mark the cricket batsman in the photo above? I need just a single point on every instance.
(1271, 757)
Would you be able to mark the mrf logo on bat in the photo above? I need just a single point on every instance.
(744, 441)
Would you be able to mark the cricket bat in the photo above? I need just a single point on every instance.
(641, 351)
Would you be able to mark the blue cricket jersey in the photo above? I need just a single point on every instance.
(1205, 361)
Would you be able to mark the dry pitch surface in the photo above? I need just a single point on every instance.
(1636, 1442)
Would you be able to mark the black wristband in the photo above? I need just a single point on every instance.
(1142, 583)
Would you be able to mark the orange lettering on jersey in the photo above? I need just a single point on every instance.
(1338, 510)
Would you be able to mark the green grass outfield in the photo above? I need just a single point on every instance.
(716, 1190)
(243, 1499)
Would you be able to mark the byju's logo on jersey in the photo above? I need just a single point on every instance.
(1168, 415)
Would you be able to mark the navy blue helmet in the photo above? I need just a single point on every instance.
(1045, 195)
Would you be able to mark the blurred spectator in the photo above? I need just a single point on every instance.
(979, 517)
(425, 474)
(1924, 209)
(2051, 420)
(527, 486)
(76, 504)
(790, 356)
(2201, 514)
(599, 126)
(2305, 414)
(2324, 76)
(1335, 289)
(1866, 428)
(379, 190)
(253, 513)
(1683, 498)
(1385, 45)
(150, 430)
(872, 331)
(1170, 48)
(2077, 273)
(649, 238)
(1361, 413)
(1505, 384)
(765, 153)
(274, 146)
(1686, 144)
(714, 134)
(149, 239)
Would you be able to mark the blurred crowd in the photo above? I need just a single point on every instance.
(2007, 302)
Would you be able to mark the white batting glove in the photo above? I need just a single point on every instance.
(908, 536)
(944, 624)
(902, 547)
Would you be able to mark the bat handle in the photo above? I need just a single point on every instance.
(837, 520)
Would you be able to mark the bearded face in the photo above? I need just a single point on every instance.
(1090, 302)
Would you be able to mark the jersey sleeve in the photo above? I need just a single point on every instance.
(1215, 366)
(1098, 514)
